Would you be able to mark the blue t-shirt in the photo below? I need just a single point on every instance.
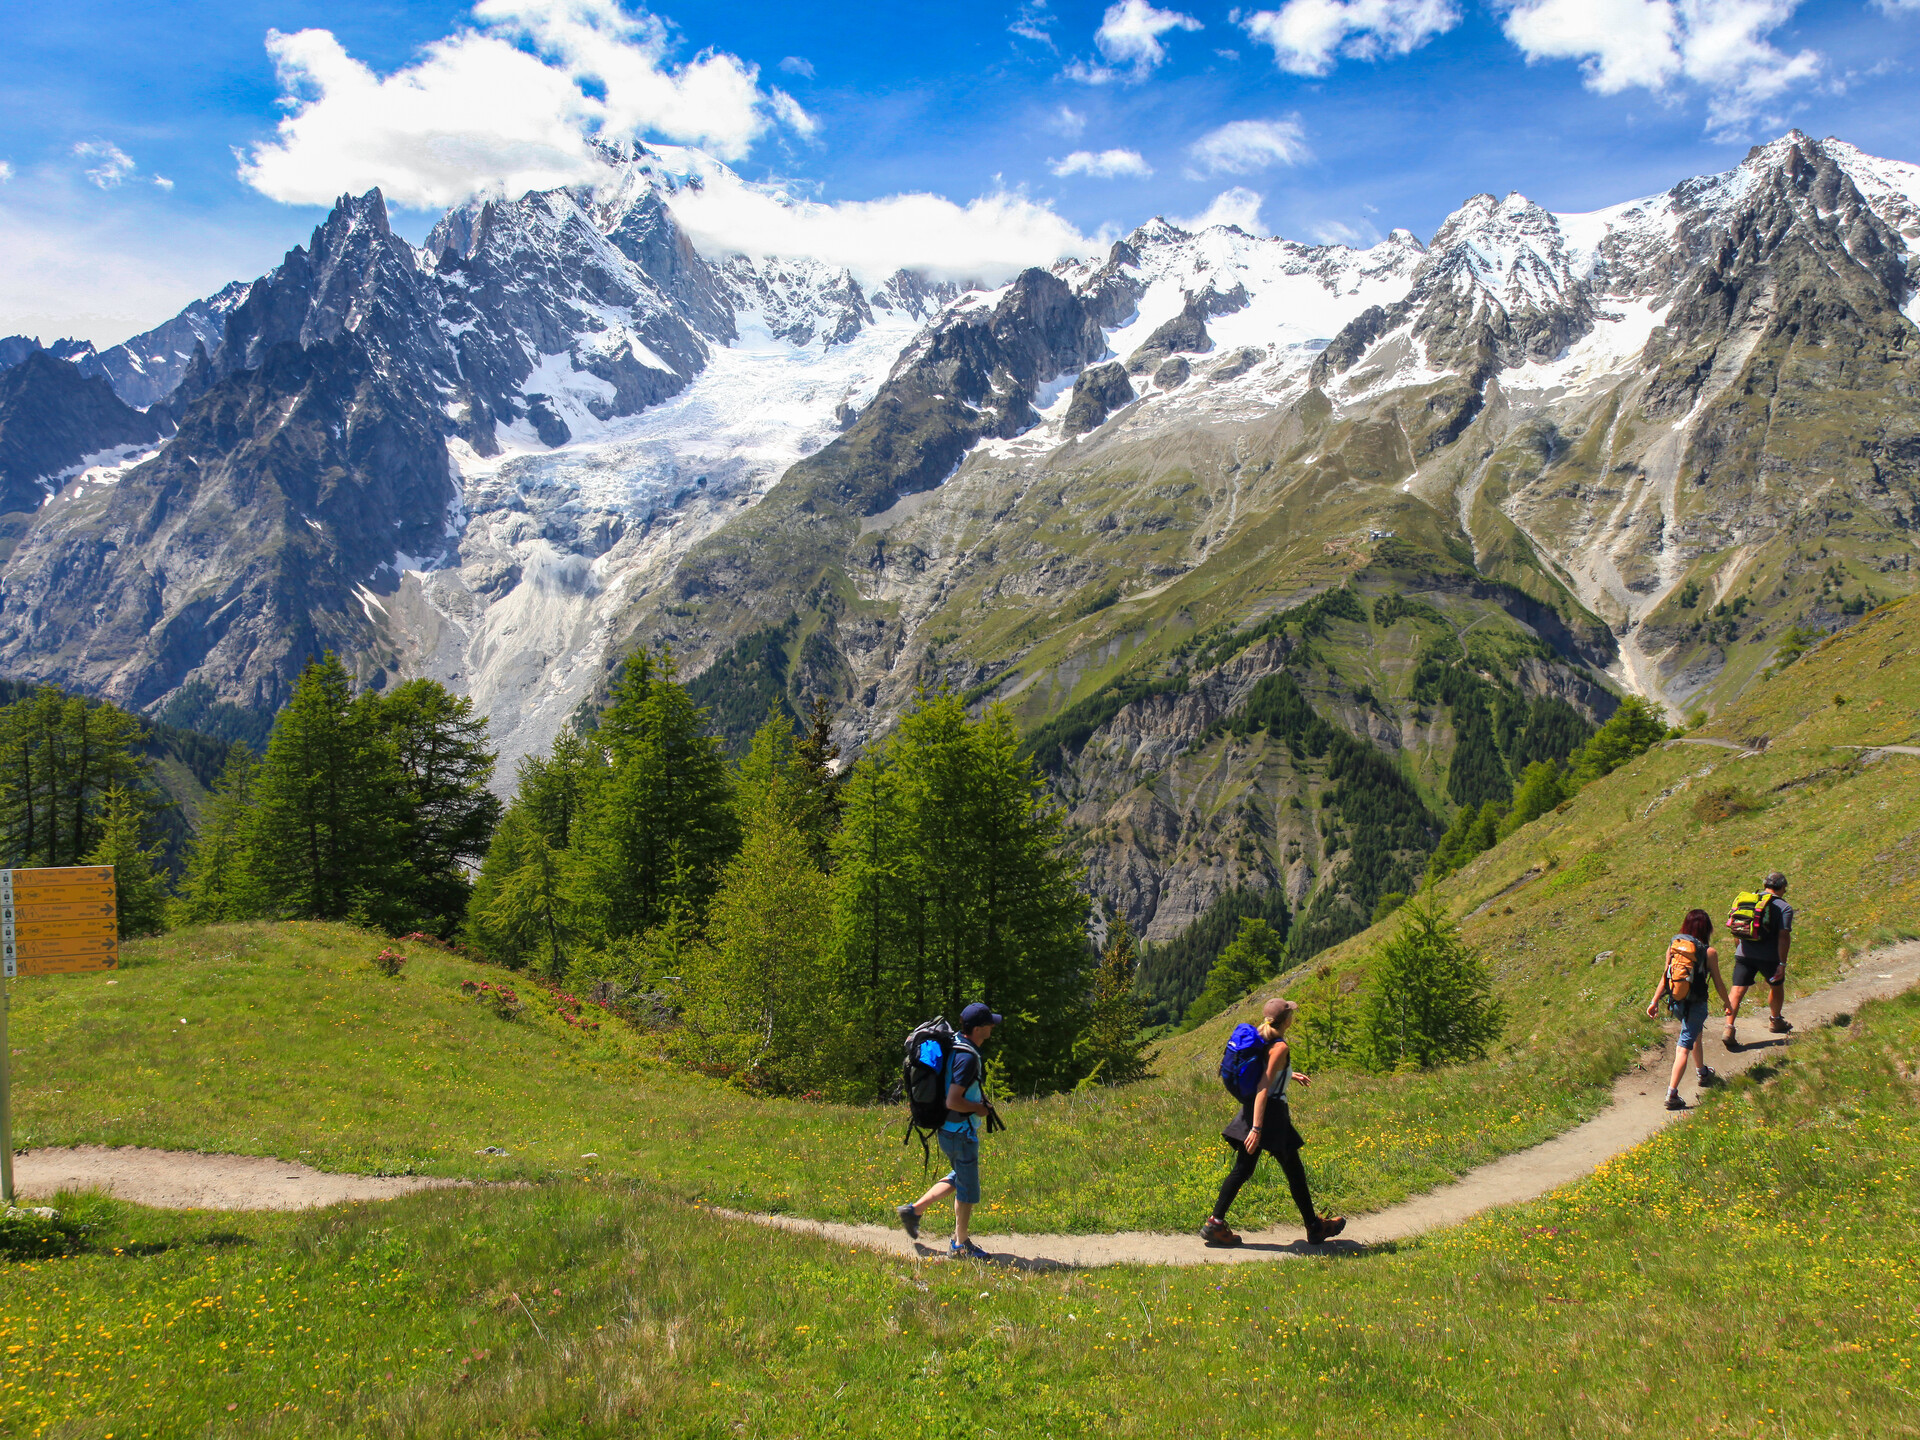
(964, 1070)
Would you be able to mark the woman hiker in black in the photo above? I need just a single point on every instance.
(1265, 1123)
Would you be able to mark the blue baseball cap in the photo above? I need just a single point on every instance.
(978, 1014)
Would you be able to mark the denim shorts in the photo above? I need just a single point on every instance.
(963, 1150)
(1693, 1019)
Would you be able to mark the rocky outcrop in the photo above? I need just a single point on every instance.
(51, 419)
(1098, 391)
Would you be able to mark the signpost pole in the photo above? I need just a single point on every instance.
(6, 1045)
(6, 1098)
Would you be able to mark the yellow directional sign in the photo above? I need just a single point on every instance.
(58, 921)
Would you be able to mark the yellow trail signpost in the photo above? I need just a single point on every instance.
(52, 922)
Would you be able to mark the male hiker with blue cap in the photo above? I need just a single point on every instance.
(960, 1135)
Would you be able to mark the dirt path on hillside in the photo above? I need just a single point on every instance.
(182, 1180)
(1636, 1113)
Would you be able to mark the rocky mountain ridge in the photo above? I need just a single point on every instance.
(1648, 446)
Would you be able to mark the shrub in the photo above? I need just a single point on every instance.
(389, 962)
(1432, 1000)
(502, 1001)
(1725, 802)
(34, 1232)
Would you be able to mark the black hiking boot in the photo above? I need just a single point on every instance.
(1780, 1025)
(1708, 1076)
(1217, 1232)
(909, 1220)
(1325, 1228)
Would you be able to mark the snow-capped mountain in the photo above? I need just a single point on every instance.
(560, 427)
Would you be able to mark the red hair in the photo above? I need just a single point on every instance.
(1699, 925)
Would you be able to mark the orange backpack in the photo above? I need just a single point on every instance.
(1683, 963)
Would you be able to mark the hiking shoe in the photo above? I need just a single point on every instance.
(966, 1250)
(1729, 1039)
(1218, 1232)
(1779, 1025)
(1674, 1102)
(1708, 1076)
(909, 1220)
(1325, 1229)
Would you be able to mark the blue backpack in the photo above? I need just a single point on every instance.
(1244, 1065)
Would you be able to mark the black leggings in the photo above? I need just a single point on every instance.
(1290, 1166)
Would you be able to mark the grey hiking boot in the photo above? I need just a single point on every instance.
(909, 1220)
(1708, 1076)
(1674, 1102)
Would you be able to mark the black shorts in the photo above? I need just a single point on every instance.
(1745, 972)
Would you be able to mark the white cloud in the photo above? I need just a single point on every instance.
(989, 239)
(1104, 164)
(1308, 36)
(508, 105)
(6, 171)
(1032, 22)
(113, 165)
(1338, 232)
(1129, 39)
(1069, 122)
(798, 65)
(1241, 147)
(163, 182)
(1720, 45)
(1238, 206)
(1896, 7)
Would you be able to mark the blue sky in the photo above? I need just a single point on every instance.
(144, 166)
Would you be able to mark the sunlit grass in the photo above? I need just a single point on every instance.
(1750, 1273)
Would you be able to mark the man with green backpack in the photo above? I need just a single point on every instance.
(1763, 921)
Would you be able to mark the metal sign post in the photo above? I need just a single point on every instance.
(59, 921)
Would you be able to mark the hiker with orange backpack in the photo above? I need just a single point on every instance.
(1256, 1069)
(1763, 922)
(1690, 961)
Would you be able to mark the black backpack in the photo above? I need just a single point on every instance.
(923, 1079)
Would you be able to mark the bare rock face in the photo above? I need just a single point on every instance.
(51, 418)
(1184, 333)
(1098, 391)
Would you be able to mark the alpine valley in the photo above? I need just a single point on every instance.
(1279, 554)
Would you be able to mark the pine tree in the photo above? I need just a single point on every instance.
(1541, 788)
(818, 785)
(1254, 957)
(523, 916)
(1112, 1049)
(766, 778)
(661, 824)
(1431, 1001)
(60, 756)
(1632, 730)
(554, 790)
(954, 885)
(439, 745)
(762, 993)
(328, 821)
(218, 885)
(139, 893)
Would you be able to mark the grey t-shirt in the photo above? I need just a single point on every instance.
(1766, 949)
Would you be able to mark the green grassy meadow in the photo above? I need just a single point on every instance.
(281, 1040)
(1751, 1273)
(1748, 1273)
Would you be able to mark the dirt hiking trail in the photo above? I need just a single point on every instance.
(183, 1180)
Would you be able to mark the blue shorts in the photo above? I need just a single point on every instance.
(1693, 1019)
(963, 1150)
